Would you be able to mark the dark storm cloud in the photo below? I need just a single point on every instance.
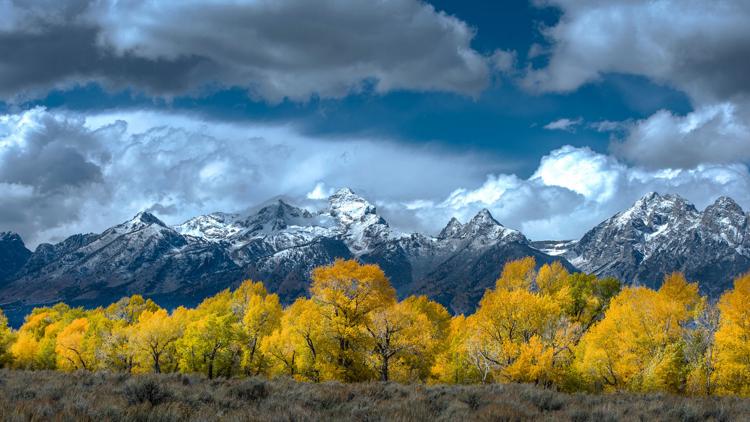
(275, 49)
(698, 46)
(59, 56)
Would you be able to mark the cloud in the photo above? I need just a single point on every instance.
(711, 134)
(504, 61)
(320, 192)
(698, 46)
(564, 124)
(574, 189)
(61, 173)
(280, 49)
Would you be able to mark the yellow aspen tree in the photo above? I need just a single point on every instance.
(398, 332)
(37, 337)
(129, 309)
(117, 352)
(700, 352)
(262, 316)
(348, 293)
(299, 346)
(732, 375)
(211, 345)
(419, 365)
(453, 365)
(69, 347)
(638, 345)
(517, 275)
(7, 338)
(154, 336)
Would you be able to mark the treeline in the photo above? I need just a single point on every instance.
(573, 332)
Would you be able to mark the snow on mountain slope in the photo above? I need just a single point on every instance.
(279, 244)
(664, 233)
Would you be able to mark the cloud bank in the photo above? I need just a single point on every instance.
(61, 173)
(699, 47)
(275, 49)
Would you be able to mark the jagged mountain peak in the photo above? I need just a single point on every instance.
(482, 227)
(10, 237)
(348, 208)
(483, 218)
(278, 216)
(654, 209)
(655, 201)
(141, 220)
(725, 204)
(452, 229)
(216, 226)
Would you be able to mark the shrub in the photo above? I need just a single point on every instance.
(251, 390)
(146, 389)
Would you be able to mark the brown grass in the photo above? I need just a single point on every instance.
(83, 396)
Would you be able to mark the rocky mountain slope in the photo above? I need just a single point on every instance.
(13, 255)
(279, 244)
(664, 233)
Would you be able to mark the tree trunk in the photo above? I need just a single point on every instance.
(384, 369)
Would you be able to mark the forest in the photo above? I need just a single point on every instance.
(571, 332)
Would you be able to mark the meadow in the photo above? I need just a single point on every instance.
(106, 396)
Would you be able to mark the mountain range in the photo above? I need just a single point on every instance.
(280, 244)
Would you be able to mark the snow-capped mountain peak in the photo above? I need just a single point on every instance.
(484, 226)
(216, 226)
(664, 233)
(654, 209)
(452, 229)
(348, 208)
(140, 221)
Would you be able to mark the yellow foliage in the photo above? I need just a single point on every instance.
(732, 374)
(348, 293)
(6, 340)
(153, 337)
(638, 345)
(517, 275)
(549, 327)
(69, 348)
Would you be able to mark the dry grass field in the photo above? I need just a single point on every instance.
(84, 396)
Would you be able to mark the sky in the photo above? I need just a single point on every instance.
(552, 114)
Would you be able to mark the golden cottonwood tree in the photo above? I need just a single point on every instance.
(732, 374)
(70, 347)
(639, 346)
(6, 339)
(129, 309)
(348, 293)
(262, 315)
(211, 345)
(154, 337)
(35, 344)
(298, 347)
(398, 332)
(516, 331)
(454, 365)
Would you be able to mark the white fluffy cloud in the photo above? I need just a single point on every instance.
(275, 49)
(711, 134)
(697, 46)
(61, 173)
(576, 188)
